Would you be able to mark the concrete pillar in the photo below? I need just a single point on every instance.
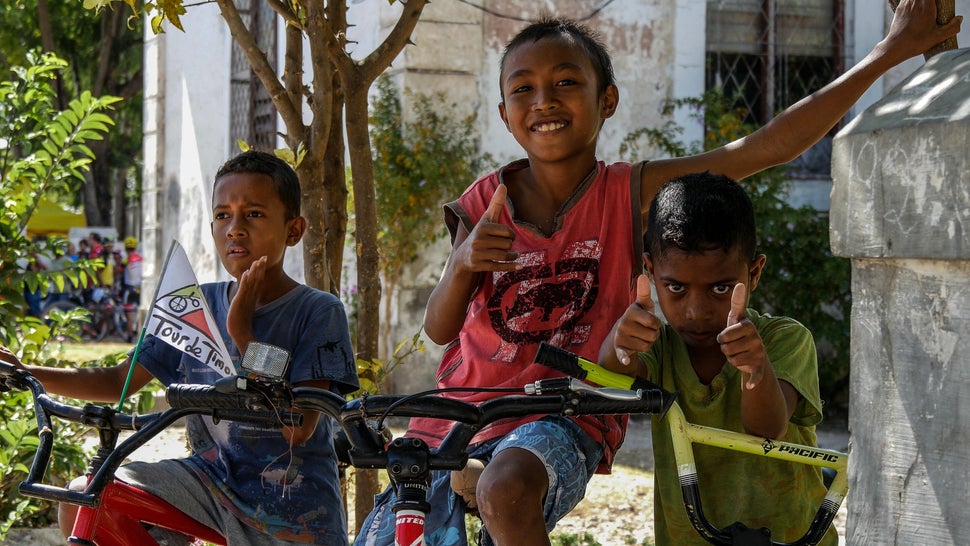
(901, 212)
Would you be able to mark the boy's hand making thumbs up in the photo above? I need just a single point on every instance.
(489, 245)
(639, 327)
(740, 341)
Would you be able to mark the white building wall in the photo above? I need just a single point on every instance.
(186, 126)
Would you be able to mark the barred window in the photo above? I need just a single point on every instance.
(251, 110)
(768, 54)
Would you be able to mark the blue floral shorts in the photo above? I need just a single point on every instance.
(569, 455)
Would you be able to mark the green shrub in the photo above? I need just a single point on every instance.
(42, 153)
(419, 163)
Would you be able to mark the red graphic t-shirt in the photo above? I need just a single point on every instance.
(572, 287)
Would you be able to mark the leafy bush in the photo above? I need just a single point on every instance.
(418, 165)
(42, 153)
(802, 278)
(420, 162)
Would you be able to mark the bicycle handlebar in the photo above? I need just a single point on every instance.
(255, 405)
(561, 396)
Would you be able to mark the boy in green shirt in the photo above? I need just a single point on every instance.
(734, 368)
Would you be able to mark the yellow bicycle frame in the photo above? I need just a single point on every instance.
(685, 434)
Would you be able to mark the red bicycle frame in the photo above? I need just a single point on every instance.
(111, 512)
(117, 520)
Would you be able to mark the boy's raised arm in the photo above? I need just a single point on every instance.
(913, 31)
(101, 384)
(767, 403)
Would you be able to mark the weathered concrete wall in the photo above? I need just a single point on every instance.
(900, 200)
(909, 462)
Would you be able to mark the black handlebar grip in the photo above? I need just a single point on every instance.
(6, 368)
(11, 377)
(560, 359)
(206, 396)
(587, 370)
(653, 401)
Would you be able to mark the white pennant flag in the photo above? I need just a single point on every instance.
(181, 317)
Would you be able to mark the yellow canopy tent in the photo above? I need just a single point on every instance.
(52, 219)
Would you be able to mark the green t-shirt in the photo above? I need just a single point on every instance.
(735, 486)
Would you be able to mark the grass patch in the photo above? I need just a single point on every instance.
(86, 351)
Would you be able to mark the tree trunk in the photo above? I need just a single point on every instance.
(368, 266)
(47, 42)
(97, 189)
(334, 213)
(119, 203)
(313, 181)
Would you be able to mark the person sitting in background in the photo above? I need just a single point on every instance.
(83, 249)
(112, 263)
(94, 242)
(131, 286)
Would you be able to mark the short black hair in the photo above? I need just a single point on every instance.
(285, 180)
(700, 212)
(560, 27)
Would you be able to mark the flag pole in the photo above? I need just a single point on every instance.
(141, 336)
(131, 367)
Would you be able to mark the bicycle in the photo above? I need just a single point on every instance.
(685, 434)
(112, 513)
(108, 315)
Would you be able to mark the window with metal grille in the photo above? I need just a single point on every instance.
(252, 115)
(768, 54)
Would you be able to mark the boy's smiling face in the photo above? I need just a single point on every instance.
(249, 222)
(694, 290)
(552, 104)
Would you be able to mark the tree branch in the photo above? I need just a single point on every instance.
(319, 29)
(109, 32)
(293, 81)
(380, 59)
(286, 13)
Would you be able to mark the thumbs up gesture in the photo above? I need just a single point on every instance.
(489, 245)
(740, 341)
(639, 327)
